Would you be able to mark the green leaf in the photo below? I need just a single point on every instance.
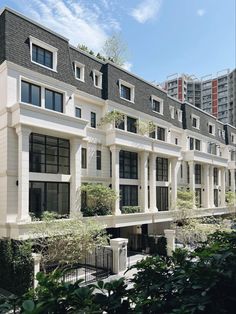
(28, 305)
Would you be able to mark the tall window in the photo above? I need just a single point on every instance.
(162, 199)
(156, 105)
(84, 158)
(194, 144)
(160, 133)
(215, 173)
(125, 92)
(93, 120)
(49, 154)
(99, 159)
(197, 174)
(131, 125)
(49, 196)
(128, 165)
(42, 56)
(162, 169)
(53, 100)
(128, 195)
(78, 112)
(30, 93)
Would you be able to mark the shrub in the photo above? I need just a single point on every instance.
(16, 266)
(130, 209)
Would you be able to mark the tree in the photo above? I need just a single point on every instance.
(146, 128)
(115, 49)
(66, 241)
(113, 117)
(100, 199)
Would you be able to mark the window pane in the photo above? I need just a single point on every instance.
(52, 197)
(36, 198)
(58, 102)
(48, 99)
(78, 112)
(34, 53)
(48, 59)
(63, 199)
(36, 95)
(125, 92)
(25, 92)
(78, 72)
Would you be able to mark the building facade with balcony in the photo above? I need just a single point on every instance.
(52, 99)
(215, 95)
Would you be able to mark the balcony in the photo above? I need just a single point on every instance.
(202, 157)
(44, 119)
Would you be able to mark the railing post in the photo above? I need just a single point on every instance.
(119, 248)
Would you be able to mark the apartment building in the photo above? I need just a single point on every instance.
(52, 99)
(216, 95)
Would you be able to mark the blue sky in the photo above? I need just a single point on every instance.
(163, 36)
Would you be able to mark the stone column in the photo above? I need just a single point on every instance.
(211, 187)
(175, 164)
(170, 239)
(116, 176)
(192, 179)
(23, 174)
(119, 248)
(206, 181)
(144, 181)
(222, 184)
(152, 182)
(232, 174)
(75, 165)
(37, 259)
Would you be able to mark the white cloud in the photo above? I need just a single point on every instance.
(127, 66)
(78, 20)
(146, 10)
(201, 12)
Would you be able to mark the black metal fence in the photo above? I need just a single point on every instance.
(94, 266)
(151, 244)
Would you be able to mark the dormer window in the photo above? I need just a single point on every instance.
(79, 71)
(211, 128)
(195, 122)
(43, 54)
(157, 104)
(97, 79)
(172, 112)
(126, 91)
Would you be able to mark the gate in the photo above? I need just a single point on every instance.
(95, 266)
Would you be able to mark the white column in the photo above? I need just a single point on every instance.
(170, 239)
(144, 181)
(37, 259)
(206, 182)
(192, 179)
(175, 164)
(211, 187)
(232, 175)
(23, 174)
(222, 193)
(75, 165)
(152, 182)
(116, 176)
(119, 248)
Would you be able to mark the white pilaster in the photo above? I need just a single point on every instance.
(115, 151)
(222, 193)
(170, 241)
(152, 182)
(206, 182)
(192, 179)
(119, 249)
(23, 174)
(232, 175)
(144, 181)
(75, 165)
(175, 165)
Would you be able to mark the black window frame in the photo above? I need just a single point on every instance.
(99, 160)
(125, 92)
(216, 176)
(198, 173)
(35, 56)
(30, 93)
(84, 158)
(162, 201)
(40, 162)
(93, 120)
(78, 112)
(156, 105)
(162, 169)
(131, 124)
(128, 162)
(54, 93)
(128, 195)
(161, 134)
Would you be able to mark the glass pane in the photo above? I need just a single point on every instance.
(51, 150)
(64, 143)
(37, 138)
(49, 99)
(63, 199)
(25, 92)
(36, 198)
(40, 55)
(52, 141)
(35, 95)
(38, 148)
(51, 169)
(58, 102)
(34, 53)
(64, 152)
(78, 72)
(63, 161)
(52, 199)
(48, 58)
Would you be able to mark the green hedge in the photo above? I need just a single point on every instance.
(130, 209)
(89, 212)
(16, 266)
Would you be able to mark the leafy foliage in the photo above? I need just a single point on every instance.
(199, 282)
(146, 128)
(130, 209)
(114, 117)
(115, 49)
(100, 199)
(16, 266)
